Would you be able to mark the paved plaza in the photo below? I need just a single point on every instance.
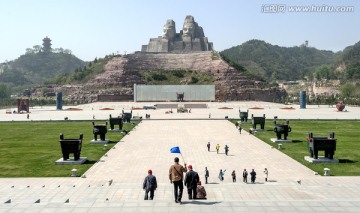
(114, 183)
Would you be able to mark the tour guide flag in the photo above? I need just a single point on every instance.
(175, 149)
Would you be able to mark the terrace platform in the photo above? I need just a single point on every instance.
(114, 183)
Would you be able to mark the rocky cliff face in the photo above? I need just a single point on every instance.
(121, 73)
(312, 88)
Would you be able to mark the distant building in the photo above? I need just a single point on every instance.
(170, 92)
(46, 45)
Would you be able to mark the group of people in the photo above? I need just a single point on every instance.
(244, 174)
(191, 181)
(217, 147)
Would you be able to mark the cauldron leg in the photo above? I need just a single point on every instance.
(76, 155)
(66, 156)
(316, 153)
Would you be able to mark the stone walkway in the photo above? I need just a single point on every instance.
(114, 183)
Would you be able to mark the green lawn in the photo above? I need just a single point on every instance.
(30, 149)
(347, 145)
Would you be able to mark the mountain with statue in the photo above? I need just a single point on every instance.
(174, 58)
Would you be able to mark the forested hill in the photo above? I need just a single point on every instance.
(34, 68)
(352, 53)
(350, 61)
(273, 62)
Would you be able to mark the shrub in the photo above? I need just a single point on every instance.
(194, 80)
(159, 77)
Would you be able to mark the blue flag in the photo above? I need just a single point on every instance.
(175, 149)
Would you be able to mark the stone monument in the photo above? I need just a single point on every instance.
(59, 102)
(23, 105)
(326, 144)
(258, 120)
(116, 121)
(180, 97)
(302, 99)
(190, 38)
(340, 106)
(127, 116)
(99, 129)
(281, 129)
(244, 116)
(71, 146)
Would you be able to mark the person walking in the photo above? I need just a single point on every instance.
(176, 177)
(240, 128)
(217, 148)
(266, 173)
(206, 175)
(149, 185)
(233, 175)
(221, 174)
(226, 149)
(253, 176)
(208, 146)
(245, 174)
(191, 181)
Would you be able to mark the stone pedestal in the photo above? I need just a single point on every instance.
(321, 159)
(98, 141)
(71, 161)
(256, 130)
(275, 140)
(115, 130)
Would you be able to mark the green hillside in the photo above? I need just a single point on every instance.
(273, 62)
(351, 59)
(37, 65)
(34, 68)
(82, 74)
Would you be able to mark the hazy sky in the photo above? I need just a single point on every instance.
(95, 28)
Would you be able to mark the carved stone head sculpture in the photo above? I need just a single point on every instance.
(189, 27)
(169, 30)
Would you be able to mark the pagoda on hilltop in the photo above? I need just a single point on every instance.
(46, 45)
(191, 38)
